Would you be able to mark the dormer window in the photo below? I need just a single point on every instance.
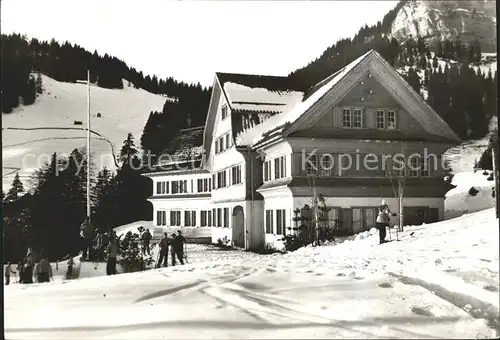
(224, 112)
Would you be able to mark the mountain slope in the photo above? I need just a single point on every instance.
(451, 20)
(32, 133)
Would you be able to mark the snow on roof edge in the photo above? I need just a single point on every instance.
(256, 134)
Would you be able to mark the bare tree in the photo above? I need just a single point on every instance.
(398, 176)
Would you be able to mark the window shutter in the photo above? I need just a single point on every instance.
(371, 118)
(337, 116)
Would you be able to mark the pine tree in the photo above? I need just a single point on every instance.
(39, 83)
(128, 153)
(16, 190)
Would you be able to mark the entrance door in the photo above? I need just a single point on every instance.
(238, 227)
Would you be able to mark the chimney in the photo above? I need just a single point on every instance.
(188, 121)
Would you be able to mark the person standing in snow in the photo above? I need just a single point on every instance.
(164, 243)
(146, 239)
(8, 271)
(28, 271)
(112, 252)
(178, 247)
(44, 270)
(383, 220)
(87, 233)
(69, 273)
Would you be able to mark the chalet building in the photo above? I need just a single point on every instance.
(267, 145)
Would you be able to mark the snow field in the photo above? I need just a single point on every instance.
(440, 280)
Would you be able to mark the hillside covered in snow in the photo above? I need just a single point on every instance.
(438, 281)
(30, 134)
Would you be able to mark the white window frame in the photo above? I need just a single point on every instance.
(388, 125)
(361, 116)
(175, 218)
(346, 113)
(309, 169)
(424, 167)
(269, 227)
(267, 171)
(280, 221)
(377, 118)
(415, 164)
(280, 167)
(224, 112)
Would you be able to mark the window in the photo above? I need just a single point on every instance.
(219, 217)
(414, 166)
(228, 141)
(280, 222)
(380, 119)
(175, 218)
(217, 146)
(161, 218)
(236, 174)
(358, 118)
(199, 184)
(267, 171)
(424, 170)
(183, 186)
(226, 217)
(206, 186)
(391, 120)
(209, 218)
(190, 218)
(221, 179)
(158, 188)
(312, 164)
(203, 218)
(280, 167)
(224, 112)
(346, 117)
(175, 187)
(269, 221)
(333, 216)
(326, 168)
(214, 215)
(214, 182)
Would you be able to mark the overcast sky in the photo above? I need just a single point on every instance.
(190, 40)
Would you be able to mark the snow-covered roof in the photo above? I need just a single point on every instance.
(277, 122)
(260, 99)
(187, 145)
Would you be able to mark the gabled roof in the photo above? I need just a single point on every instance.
(305, 112)
(185, 146)
(277, 123)
(258, 93)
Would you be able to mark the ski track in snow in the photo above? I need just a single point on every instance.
(432, 284)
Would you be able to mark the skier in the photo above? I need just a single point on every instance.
(28, 271)
(44, 272)
(383, 220)
(146, 239)
(86, 232)
(69, 273)
(164, 243)
(177, 247)
(8, 271)
(112, 252)
(20, 270)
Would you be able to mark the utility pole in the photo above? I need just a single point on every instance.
(88, 144)
(496, 169)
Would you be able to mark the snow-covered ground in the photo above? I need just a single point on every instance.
(440, 281)
(32, 133)
(462, 159)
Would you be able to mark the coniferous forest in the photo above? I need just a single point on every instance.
(49, 216)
